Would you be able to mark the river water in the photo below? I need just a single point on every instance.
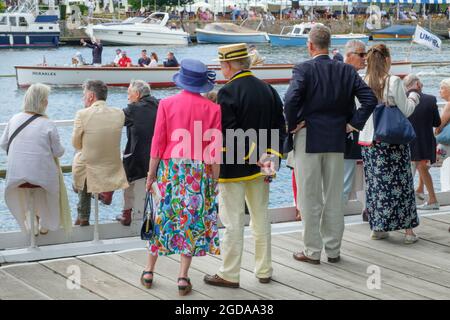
(64, 102)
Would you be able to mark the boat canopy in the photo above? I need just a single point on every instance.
(405, 30)
(46, 19)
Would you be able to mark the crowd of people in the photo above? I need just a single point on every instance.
(325, 125)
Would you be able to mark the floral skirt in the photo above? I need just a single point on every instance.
(390, 197)
(186, 217)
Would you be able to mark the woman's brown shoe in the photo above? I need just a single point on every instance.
(146, 282)
(184, 289)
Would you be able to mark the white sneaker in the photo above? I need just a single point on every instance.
(411, 238)
(379, 235)
(429, 206)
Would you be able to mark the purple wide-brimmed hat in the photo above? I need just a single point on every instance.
(194, 76)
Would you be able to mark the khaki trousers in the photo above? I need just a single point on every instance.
(129, 194)
(232, 198)
(319, 182)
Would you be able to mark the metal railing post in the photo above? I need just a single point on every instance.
(96, 233)
(31, 220)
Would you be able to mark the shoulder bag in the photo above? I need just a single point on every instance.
(147, 229)
(22, 126)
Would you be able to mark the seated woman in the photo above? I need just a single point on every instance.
(33, 173)
(153, 60)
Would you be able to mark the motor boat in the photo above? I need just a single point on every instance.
(152, 30)
(217, 32)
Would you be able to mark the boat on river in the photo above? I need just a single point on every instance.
(230, 33)
(151, 30)
(395, 32)
(297, 35)
(158, 77)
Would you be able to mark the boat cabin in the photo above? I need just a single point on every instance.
(18, 21)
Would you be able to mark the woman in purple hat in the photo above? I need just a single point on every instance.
(185, 159)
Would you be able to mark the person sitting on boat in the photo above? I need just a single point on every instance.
(140, 117)
(125, 61)
(32, 145)
(117, 57)
(153, 60)
(78, 60)
(97, 49)
(97, 166)
(255, 56)
(144, 60)
(337, 55)
(171, 60)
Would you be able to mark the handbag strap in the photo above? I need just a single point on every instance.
(22, 126)
(386, 103)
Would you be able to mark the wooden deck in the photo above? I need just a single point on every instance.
(418, 271)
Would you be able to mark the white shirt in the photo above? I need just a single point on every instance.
(153, 63)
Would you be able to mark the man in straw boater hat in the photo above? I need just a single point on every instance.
(253, 126)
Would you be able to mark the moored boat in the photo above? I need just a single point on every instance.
(24, 27)
(148, 31)
(297, 35)
(229, 33)
(158, 77)
(395, 32)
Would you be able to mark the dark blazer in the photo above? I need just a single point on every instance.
(140, 120)
(249, 103)
(322, 93)
(424, 118)
(171, 63)
(97, 49)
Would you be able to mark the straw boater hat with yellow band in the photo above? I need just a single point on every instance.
(233, 52)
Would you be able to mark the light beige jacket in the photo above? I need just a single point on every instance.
(96, 137)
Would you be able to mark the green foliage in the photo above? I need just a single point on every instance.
(83, 9)
(62, 12)
(2, 6)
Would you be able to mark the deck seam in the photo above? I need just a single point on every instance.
(27, 285)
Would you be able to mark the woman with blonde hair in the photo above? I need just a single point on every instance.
(444, 150)
(390, 193)
(33, 176)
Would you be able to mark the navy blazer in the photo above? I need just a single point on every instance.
(322, 93)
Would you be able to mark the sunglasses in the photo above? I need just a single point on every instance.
(360, 54)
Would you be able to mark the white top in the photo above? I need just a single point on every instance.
(396, 97)
(31, 154)
(117, 58)
(153, 63)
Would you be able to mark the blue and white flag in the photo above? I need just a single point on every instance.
(422, 36)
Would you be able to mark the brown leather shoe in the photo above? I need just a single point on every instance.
(215, 280)
(334, 260)
(81, 223)
(300, 256)
(265, 280)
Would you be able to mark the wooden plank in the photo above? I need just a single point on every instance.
(13, 289)
(97, 281)
(357, 259)
(169, 268)
(423, 252)
(284, 246)
(434, 231)
(48, 282)
(131, 273)
(272, 290)
(439, 217)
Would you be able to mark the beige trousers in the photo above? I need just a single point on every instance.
(319, 182)
(232, 197)
(136, 189)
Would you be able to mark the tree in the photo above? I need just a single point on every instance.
(136, 4)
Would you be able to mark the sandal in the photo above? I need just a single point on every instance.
(184, 290)
(147, 282)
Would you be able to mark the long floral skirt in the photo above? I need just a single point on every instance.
(186, 217)
(391, 202)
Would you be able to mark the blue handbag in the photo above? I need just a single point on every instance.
(444, 136)
(391, 125)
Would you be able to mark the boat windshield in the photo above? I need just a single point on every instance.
(2, 19)
(154, 19)
(133, 20)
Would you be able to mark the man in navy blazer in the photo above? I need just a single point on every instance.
(319, 109)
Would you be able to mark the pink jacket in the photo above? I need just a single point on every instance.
(188, 126)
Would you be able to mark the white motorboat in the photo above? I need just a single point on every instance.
(157, 77)
(151, 30)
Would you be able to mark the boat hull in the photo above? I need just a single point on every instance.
(391, 37)
(157, 77)
(134, 37)
(211, 37)
(28, 39)
(285, 40)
